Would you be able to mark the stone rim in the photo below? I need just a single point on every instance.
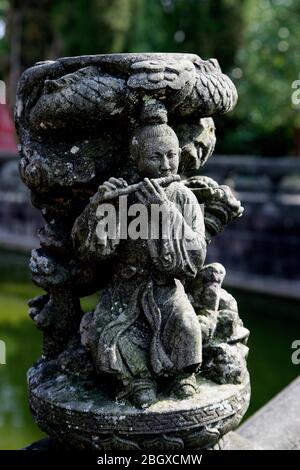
(176, 416)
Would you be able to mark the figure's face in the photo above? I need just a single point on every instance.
(158, 157)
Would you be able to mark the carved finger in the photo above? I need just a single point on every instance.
(158, 188)
(109, 186)
(150, 187)
(116, 181)
(123, 181)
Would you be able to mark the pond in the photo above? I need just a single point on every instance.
(274, 325)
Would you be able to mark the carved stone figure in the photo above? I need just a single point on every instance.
(145, 326)
(160, 362)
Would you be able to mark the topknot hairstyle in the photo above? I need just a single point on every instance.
(154, 118)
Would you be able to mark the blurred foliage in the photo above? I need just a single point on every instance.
(196, 26)
(266, 66)
(93, 27)
(23, 340)
(255, 41)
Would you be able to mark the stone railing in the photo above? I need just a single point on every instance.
(276, 426)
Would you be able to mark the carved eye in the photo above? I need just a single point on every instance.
(171, 154)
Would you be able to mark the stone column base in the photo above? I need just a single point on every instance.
(77, 416)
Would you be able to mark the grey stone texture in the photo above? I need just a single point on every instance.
(276, 426)
(160, 363)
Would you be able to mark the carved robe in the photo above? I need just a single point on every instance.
(144, 324)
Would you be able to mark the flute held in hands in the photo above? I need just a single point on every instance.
(107, 195)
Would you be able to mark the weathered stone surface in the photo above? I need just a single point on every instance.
(78, 414)
(233, 441)
(276, 426)
(93, 129)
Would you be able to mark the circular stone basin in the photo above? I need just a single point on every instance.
(78, 416)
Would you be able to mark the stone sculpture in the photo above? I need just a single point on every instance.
(160, 362)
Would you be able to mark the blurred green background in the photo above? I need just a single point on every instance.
(23, 342)
(257, 43)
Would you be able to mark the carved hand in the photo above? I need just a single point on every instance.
(109, 187)
(151, 193)
(113, 184)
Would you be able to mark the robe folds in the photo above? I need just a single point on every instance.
(144, 325)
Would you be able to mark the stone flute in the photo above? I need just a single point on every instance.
(108, 195)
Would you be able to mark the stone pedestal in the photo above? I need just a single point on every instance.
(78, 416)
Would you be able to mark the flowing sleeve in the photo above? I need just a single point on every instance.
(180, 250)
(92, 239)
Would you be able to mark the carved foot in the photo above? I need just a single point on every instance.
(141, 393)
(184, 386)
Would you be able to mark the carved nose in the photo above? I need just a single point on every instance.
(164, 164)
